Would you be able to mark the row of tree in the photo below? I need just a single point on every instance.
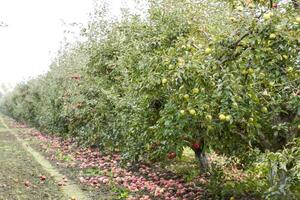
(209, 75)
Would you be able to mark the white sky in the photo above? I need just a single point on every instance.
(34, 32)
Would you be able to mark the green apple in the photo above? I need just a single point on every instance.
(251, 5)
(222, 117)
(181, 61)
(171, 67)
(267, 16)
(195, 91)
(264, 109)
(208, 50)
(244, 72)
(232, 19)
(250, 71)
(164, 81)
(206, 106)
(182, 112)
(240, 8)
(262, 74)
(186, 96)
(227, 118)
(272, 36)
(209, 117)
(265, 93)
(192, 112)
(289, 69)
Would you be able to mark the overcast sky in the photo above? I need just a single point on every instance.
(34, 32)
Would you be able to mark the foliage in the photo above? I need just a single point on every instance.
(211, 74)
(284, 176)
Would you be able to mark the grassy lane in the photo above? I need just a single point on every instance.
(19, 174)
(21, 169)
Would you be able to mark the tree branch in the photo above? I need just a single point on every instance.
(296, 4)
(271, 4)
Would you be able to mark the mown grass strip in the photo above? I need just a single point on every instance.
(70, 189)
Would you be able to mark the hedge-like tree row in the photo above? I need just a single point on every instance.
(209, 75)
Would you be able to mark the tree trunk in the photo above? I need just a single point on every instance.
(202, 158)
(296, 4)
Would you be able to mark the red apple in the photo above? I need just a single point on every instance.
(27, 183)
(171, 155)
(42, 178)
(196, 145)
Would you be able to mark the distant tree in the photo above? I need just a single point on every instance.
(3, 24)
(4, 88)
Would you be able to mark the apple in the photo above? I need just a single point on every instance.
(264, 109)
(209, 117)
(240, 8)
(164, 81)
(298, 19)
(299, 127)
(27, 183)
(95, 182)
(232, 19)
(274, 5)
(208, 50)
(262, 74)
(251, 119)
(265, 93)
(42, 178)
(196, 145)
(105, 181)
(182, 112)
(272, 36)
(289, 69)
(267, 16)
(181, 61)
(192, 112)
(251, 5)
(250, 71)
(186, 96)
(195, 90)
(171, 155)
(222, 117)
(244, 72)
(205, 106)
(227, 118)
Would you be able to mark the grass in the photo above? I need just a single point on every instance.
(18, 167)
